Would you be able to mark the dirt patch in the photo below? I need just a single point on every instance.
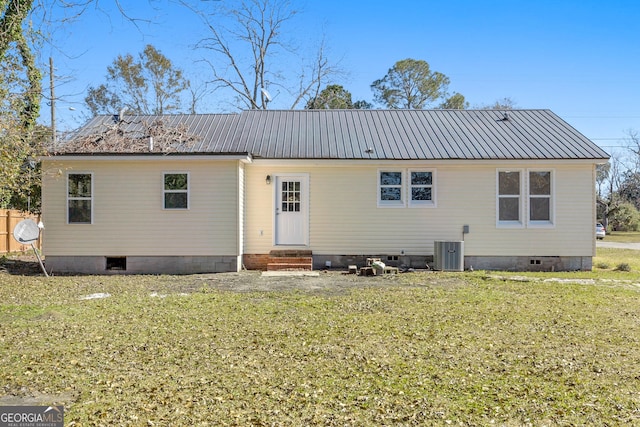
(333, 281)
(325, 281)
(20, 264)
(28, 398)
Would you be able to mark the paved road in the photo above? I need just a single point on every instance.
(605, 244)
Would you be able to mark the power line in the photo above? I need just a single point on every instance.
(601, 117)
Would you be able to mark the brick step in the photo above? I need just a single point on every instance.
(291, 260)
(290, 253)
(279, 266)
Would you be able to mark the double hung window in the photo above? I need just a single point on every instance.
(540, 196)
(509, 200)
(421, 187)
(176, 190)
(79, 198)
(406, 187)
(390, 189)
(529, 191)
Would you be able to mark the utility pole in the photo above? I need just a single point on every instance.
(53, 103)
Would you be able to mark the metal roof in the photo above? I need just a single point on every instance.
(376, 134)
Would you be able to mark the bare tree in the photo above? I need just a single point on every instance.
(244, 52)
(617, 181)
(608, 179)
(152, 135)
(505, 103)
(632, 142)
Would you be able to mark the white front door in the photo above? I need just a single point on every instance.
(292, 210)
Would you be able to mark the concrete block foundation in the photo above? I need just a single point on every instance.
(321, 262)
(141, 264)
(528, 263)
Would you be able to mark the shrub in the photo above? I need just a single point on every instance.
(623, 267)
(625, 218)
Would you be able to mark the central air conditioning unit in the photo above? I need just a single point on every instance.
(448, 256)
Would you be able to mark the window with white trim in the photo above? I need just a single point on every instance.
(406, 187)
(390, 185)
(421, 191)
(79, 198)
(525, 198)
(176, 190)
(540, 200)
(509, 202)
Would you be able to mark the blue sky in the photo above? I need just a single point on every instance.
(578, 58)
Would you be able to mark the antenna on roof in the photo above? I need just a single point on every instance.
(266, 95)
(121, 113)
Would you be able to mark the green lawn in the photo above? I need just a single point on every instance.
(623, 236)
(612, 259)
(417, 349)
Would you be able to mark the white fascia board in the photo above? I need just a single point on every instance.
(245, 158)
(421, 163)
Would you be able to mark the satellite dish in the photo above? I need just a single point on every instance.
(266, 94)
(26, 232)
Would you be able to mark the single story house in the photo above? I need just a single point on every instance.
(221, 192)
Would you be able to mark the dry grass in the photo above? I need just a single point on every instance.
(421, 349)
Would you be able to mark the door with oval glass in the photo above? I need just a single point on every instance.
(292, 210)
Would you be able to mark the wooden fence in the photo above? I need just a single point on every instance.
(8, 220)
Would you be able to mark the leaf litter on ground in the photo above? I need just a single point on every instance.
(413, 349)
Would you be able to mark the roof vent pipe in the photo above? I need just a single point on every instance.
(505, 116)
(121, 114)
